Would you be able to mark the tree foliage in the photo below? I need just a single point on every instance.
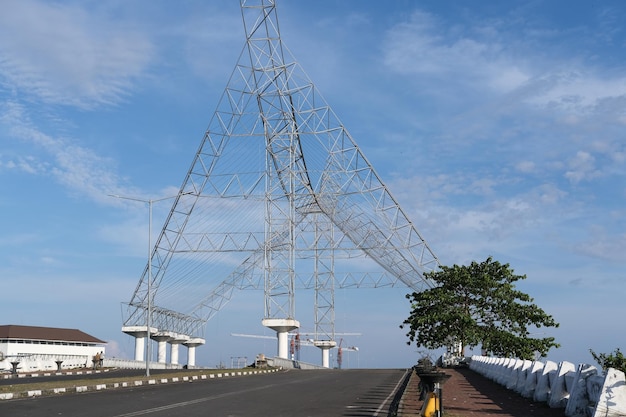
(614, 360)
(478, 305)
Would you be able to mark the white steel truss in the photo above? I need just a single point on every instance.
(278, 197)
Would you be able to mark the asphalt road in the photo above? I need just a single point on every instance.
(294, 393)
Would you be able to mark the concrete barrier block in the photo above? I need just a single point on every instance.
(580, 390)
(558, 390)
(532, 377)
(505, 370)
(511, 382)
(612, 398)
(487, 366)
(542, 390)
(594, 387)
(578, 401)
(522, 375)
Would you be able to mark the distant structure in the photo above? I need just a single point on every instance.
(32, 348)
(278, 197)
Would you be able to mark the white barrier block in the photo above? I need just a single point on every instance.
(578, 401)
(511, 382)
(532, 377)
(522, 375)
(612, 401)
(542, 390)
(577, 389)
(558, 390)
(507, 371)
(494, 367)
(477, 364)
(594, 389)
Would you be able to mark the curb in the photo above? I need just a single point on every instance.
(409, 404)
(60, 373)
(137, 383)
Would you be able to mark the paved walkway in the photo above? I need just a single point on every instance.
(467, 393)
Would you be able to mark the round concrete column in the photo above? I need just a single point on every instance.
(176, 341)
(282, 327)
(161, 338)
(326, 346)
(191, 350)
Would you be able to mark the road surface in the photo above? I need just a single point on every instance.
(293, 393)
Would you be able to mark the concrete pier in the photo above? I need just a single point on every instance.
(325, 346)
(162, 338)
(191, 350)
(175, 342)
(140, 333)
(282, 327)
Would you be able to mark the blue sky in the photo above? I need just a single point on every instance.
(498, 127)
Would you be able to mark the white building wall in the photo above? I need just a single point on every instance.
(58, 348)
(42, 356)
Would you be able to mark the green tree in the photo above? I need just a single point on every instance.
(614, 360)
(478, 305)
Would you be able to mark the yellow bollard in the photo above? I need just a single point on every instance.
(430, 407)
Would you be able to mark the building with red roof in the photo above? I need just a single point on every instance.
(35, 348)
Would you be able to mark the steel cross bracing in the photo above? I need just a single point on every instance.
(278, 197)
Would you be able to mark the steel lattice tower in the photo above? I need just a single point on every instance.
(277, 193)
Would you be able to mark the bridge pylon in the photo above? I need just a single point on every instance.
(278, 191)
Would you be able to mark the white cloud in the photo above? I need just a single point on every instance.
(581, 167)
(525, 166)
(548, 195)
(422, 46)
(601, 244)
(61, 54)
(78, 168)
(472, 63)
(578, 92)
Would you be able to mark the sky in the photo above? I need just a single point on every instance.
(498, 126)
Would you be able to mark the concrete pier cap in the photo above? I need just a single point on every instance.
(191, 349)
(282, 327)
(326, 346)
(162, 337)
(177, 339)
(139, 333)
